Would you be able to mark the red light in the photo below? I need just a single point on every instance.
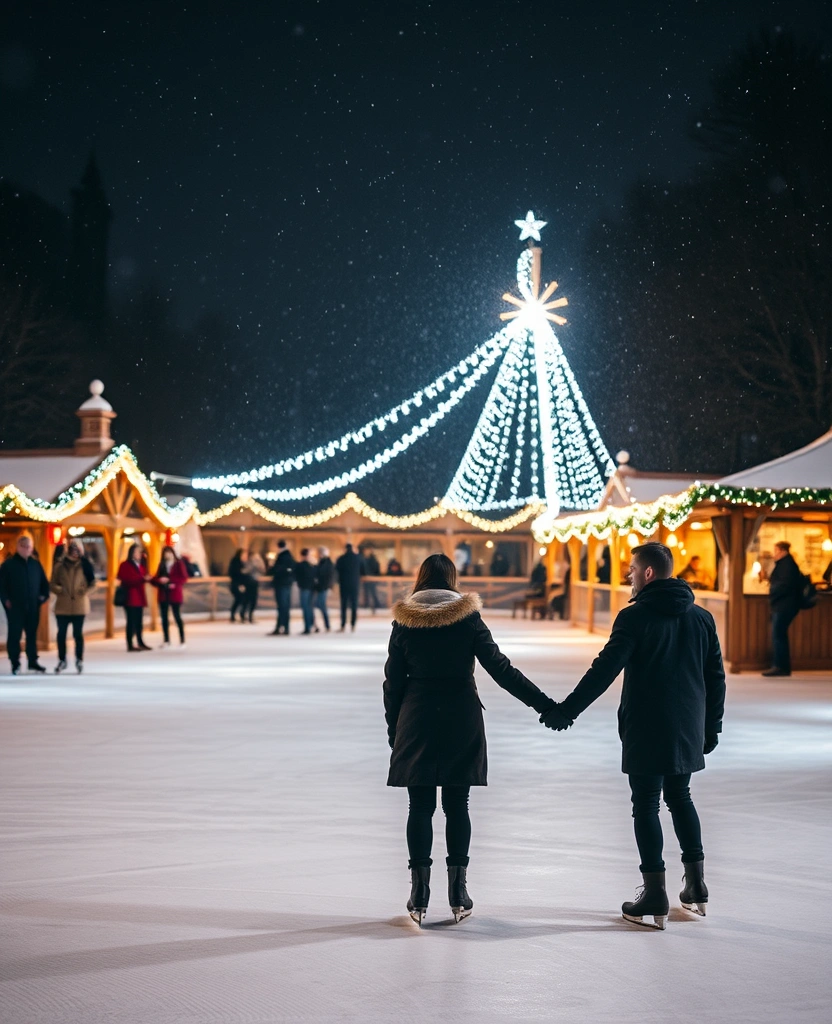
(55, 534)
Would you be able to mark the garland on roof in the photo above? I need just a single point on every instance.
(671, 510)
(352, 503)
(76, 498)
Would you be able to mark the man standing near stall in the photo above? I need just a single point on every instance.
(23, 589)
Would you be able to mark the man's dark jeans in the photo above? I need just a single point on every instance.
(780, 622)
(646, 790)
(22, 620)
(283, 597)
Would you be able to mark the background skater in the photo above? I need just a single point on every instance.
(670, 717)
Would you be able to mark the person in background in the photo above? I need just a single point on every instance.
(394, 568)
(323, 584)
(785, 589)
(23, 589)
(237, 584)
(370, 567)
(434, 719)
(133, 575)
(72, 580)
(348, 568)
(170, 579)
(462, 557)
(827, 575)
(305, 576)
(191, 566)
(559, 595)
(537, 581)
(669, 719)
(283, 576)
(253, 571)
(499, 564)
(603, 570)
(694, 575)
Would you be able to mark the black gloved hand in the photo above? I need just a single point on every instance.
(711, 741)
(555, 719)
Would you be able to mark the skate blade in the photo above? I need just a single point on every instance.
(418, 915)
(659, 921)
(460, 913)
(700, 909)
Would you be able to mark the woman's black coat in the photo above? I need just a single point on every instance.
(434, 715)
(674, 682)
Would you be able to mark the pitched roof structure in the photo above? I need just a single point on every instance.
(810, 466)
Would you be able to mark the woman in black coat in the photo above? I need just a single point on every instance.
(434, 718)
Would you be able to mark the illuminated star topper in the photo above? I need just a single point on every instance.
(530, 228)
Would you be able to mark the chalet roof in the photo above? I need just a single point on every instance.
(45, 476)
(810, 466)
(627, 485)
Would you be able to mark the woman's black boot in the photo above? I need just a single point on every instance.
(650, 899)
(417, 905)
(461, 903)
(694, 896)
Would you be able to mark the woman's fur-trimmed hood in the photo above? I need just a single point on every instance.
(431, 608)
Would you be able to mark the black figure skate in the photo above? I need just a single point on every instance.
(461, 903)
(417, 905)
(651, 899)
(694, 896)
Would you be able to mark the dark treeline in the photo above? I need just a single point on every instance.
(712, 299)
(715, 294)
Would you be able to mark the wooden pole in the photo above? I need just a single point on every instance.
(112, 539)
(736, 571)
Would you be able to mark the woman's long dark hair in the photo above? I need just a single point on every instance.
(161, 570)
(131, 550)
(437, 572)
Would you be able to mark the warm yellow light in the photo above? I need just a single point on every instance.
(541, 551)
(633, 539)
(826, 545)
(146, 538)
(672, 540)
(175, 538)
(489, 543)
(129, 531)
(756, 568)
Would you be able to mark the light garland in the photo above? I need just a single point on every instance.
(352, 503)
(76, 498)
(671, 510)
(472, 368)
(484, 358)
(535, 391)
(535, 440)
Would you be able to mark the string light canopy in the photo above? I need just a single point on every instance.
(534, 444)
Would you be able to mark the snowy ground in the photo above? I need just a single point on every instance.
(205, 836)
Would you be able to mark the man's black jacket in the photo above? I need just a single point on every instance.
(786, 585)
(23, 583)
(674, 680)
(283, 571)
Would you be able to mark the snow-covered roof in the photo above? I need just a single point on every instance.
(807, 467)
(45, 476)
(627, 485)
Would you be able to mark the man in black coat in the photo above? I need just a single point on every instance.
(283, 576)
(348, 568)
(670, 716)
(786, 587)
(323, 583)
(305, 575)
(23, 589)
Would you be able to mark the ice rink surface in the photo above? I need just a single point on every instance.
(205, 835)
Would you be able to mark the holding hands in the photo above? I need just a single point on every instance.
(553, 718)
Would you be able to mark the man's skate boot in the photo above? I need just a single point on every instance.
(417, 905)
(694, 896)
(461, 903)
(651, 900)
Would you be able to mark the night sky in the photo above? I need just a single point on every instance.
(340, 179)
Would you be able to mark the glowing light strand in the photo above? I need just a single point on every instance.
(494, 348)
(477, 363)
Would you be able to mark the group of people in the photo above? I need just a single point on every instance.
(24, 588)
(669, 718)
(314, 573)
